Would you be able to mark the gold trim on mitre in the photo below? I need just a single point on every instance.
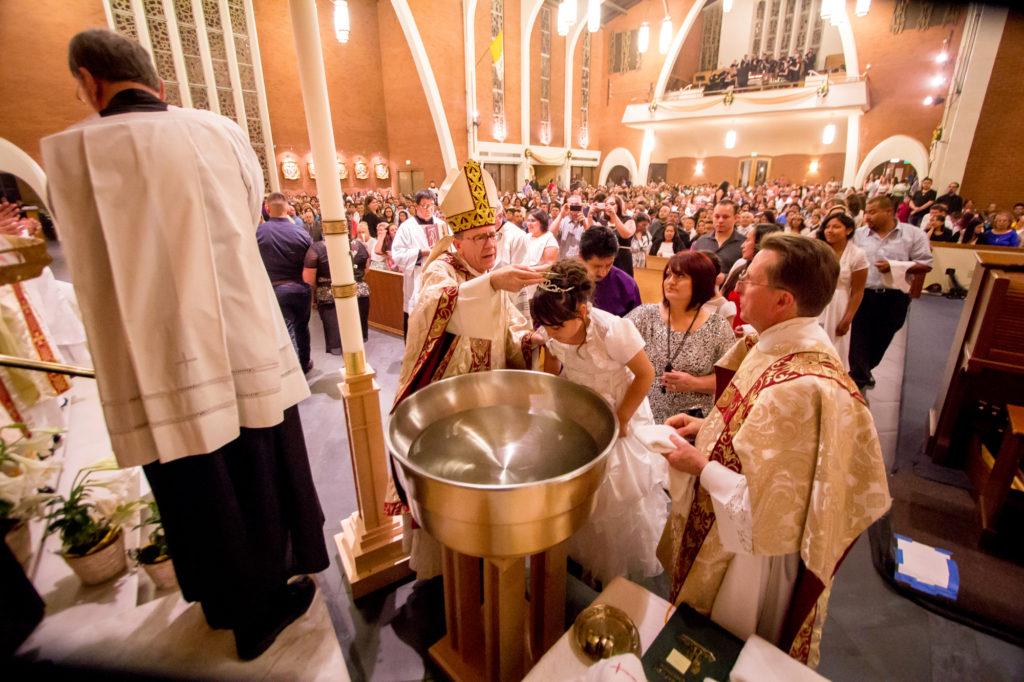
(472, 200)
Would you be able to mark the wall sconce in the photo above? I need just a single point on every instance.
(563, 20)
(699, 170)
(814, 166)
(730, 139)
(829, 135)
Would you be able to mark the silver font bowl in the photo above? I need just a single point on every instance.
(501, 463)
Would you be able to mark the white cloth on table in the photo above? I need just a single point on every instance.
(630, 508)
(853, 260)
(624, 667)
(761, 661)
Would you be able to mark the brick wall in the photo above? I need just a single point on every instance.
(354, 87)
(993, 168)
(410, 129)
(898, 81)
(37, 92)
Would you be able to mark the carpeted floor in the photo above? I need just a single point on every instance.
(934, 504)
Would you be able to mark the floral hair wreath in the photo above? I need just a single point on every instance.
(549, 286)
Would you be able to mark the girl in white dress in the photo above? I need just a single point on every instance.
(606, 353)
(853, 273)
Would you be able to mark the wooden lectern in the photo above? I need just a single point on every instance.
(986, 363)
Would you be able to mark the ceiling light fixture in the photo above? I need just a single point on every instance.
(341, 23)
(594, 16)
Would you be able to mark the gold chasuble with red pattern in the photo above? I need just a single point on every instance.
(793, 423)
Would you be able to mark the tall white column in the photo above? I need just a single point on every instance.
(852, 148)
(370, 544)
(983, 31)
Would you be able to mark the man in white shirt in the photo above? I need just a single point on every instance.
(895, 252)
(411, 247)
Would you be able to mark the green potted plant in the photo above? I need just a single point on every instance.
(26, 473)
(92, 540)
(154, 557)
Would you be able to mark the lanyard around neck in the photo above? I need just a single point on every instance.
(668, 338)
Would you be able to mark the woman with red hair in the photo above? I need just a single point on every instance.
(682, 339)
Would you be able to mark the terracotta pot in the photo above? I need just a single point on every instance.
(162, 574)
(102, 562)
(19, 540)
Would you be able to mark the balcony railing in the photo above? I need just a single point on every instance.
(815, 92)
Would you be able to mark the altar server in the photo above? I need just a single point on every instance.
(158, 208)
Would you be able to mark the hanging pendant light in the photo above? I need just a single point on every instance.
(665, 39)
(341, 24)
(594, 16)
(570, 11)
(563, 19)
(643, 38)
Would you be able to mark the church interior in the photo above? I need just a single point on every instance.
(584, 93)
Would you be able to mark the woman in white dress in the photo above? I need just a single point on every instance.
(853, 273)
(541, 248)
(601, 351)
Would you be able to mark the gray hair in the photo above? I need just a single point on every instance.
(111, 57)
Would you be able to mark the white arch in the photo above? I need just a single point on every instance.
(845, 35)
(895, 147)
(426, 74)
(620, 156)
(16, 162)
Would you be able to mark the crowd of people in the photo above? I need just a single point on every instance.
(544, 223)
(769, 70)
(737, 356)
(562, 263)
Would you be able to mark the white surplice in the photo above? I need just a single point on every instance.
(158, 214)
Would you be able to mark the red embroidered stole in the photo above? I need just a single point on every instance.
(439, 345)
(734, 409)
(59, 382)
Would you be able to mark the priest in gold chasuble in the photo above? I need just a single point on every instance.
(463, 319)
(785, 473)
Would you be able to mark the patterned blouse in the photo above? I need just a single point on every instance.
(698, 356)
